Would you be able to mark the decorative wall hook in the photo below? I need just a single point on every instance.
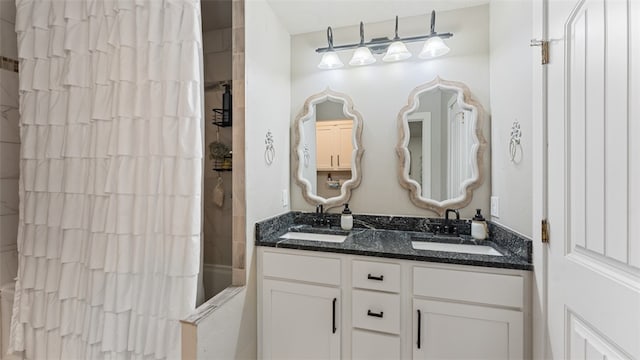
(270, 150)
(515, 148)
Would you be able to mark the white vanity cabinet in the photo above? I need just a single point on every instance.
(299, 321)
(448, 330)
(460, 314)
(388, 308)
(300, 306)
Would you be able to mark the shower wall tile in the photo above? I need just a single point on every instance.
(217, 55)
(9, 156)
(8, 10)
(8, 39)
(9, 143)
(9, 197)
(8, 231)
(9, 116)
(216, 40)
(9, 85)
(8, 265)
(217, 66)
(217, 221)
(217, 224)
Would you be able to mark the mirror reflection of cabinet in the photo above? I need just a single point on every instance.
(334, 145)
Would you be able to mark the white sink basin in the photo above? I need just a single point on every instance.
(314, 237)
(459, 248)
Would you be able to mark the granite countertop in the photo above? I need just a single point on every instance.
(389, 243)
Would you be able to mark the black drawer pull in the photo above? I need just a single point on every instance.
(371, 277)
(334, 327)
(419, 327)
(370, 313)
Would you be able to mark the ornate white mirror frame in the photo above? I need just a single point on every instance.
(308, 113)
(467, 102)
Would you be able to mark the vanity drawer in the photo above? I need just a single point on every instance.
(376, 311)
(476, 287)
(367, 345)
(376, 275)
(315, 269)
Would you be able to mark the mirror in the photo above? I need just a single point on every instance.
(328, 149)
(441, 145)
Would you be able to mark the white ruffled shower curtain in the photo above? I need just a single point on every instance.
(111, 169)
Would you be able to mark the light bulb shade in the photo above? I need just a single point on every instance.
(362, 56)
(397, 51)
(330, 60)
(433, 48)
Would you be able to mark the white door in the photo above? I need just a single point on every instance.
(300, 321)
(593, 179)
(446, 330)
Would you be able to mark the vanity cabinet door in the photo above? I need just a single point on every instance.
(300, 321)
(325, 147)
(444, 330)
(334, 145)
(345, 147)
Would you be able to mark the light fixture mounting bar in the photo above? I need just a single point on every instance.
(385, 41)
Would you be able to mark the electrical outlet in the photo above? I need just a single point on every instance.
(495, 206)
(285, 197)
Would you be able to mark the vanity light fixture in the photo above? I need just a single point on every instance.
(330, 59)
(393, 49)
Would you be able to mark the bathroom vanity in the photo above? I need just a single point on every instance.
(376, 294)
(392, 287)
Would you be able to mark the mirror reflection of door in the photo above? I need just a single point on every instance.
(419, 128)
(334, 148)
(440, 144)
(459, 149)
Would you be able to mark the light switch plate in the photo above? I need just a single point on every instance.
(495, 206)
(285, 197)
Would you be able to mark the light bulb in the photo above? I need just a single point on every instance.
(362, 56)
(397, 51)
(330, 60)
(433, 48)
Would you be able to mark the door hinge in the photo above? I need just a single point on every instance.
(544, 49)
(545, 231)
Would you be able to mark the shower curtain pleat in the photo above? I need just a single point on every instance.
(111, 169)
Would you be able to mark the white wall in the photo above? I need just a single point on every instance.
(380, 90)
(267, 104)
(511, 96)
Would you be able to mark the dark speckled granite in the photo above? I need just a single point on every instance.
(381, 222)
(275, 226)
(516, 243)
(391, 236)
